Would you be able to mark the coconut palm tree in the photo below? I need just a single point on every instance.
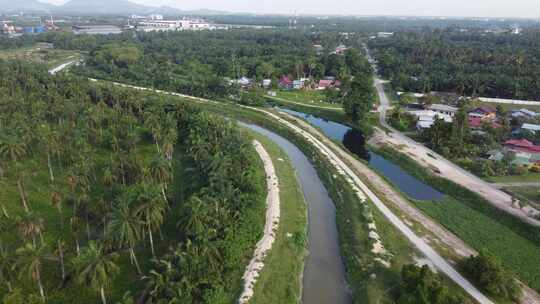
(96, 267)
(151, 210)
(6, 271)
(11, 149)
(125, 229)
(162, 172)
(30, 259)
(56, 201)
(31, 225)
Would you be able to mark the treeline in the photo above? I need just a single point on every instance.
(96, 182)
(471, 62)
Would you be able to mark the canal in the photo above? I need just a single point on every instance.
(354, 141)
(324, 279)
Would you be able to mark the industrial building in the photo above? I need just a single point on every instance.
(96, 29)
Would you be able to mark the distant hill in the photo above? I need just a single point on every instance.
(24, 5)
(112, 7)
(97, 7)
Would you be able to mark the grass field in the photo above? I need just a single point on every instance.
(508, 107)
(527, 178)
(479, 224)
(49, 57)
(530, 194)
(314, 98)
(280, 279)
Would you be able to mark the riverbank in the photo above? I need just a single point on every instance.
(264, 245)
(280, 279)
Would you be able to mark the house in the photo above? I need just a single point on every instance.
(444, 109)
(298, 84)
(286, 83)
(340, 50)
(523, 113)
(266, 83)
(484, 113)
(478, 123)
(244, 82)
(530, 127)
(325, 84)
(522, 145)
(385, 34)
(496, 155)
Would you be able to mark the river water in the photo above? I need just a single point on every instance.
(324, 273)
(354, 141)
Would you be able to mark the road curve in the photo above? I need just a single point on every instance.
(363, 192)
(430, 159)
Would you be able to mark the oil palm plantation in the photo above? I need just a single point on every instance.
(96, 267)
(29, 263)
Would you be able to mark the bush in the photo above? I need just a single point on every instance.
(487, 272)
(518, 170)
(422, 286)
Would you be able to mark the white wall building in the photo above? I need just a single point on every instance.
(174, 25)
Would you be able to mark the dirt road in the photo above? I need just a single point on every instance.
(272, 222)
(445, 168)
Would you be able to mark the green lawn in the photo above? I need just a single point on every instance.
(509, 107)
(314, 98)
(530, 194)
(527, 178)
(50, 57)
(280, 279)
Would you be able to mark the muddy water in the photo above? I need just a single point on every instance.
(324, 274)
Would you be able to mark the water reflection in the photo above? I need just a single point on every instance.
(354, 141)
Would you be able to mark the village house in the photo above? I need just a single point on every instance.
(476, 123)
(286, 83)
(443, 109)
(266, 83)
(523, 113)
(484, 113)
(522, 145)
(530, 127)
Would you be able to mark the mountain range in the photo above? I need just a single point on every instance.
(93, 7)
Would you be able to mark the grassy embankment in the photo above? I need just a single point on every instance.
(478, 223)
(50, 57)
(280, 279)
(526, 194)
(369, 280)
(526, 178)
(310, 98)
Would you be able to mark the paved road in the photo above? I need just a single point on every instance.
(524, 184)
(340, 109)
(432, 160)
(62, 67)
(363, 192)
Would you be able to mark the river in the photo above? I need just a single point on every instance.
(354, 141)
(324, 278)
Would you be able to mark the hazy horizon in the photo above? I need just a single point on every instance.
(450, 8)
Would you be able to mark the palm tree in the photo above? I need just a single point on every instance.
(30, 225)
(125, 229)
(30, 260)
(161, 171)
(12, 149)
(6, 262)
(150, 211)
(56, 201)
(96, 267)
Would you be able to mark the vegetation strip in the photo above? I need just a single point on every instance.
(272, 223)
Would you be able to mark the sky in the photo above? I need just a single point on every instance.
(462, 8)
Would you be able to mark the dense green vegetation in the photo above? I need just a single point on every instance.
(487, 272)
(97, 182)
(421, 286)
(471, 62)
(478, 223)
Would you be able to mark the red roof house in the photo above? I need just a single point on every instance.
(522, 145)
(285, 82)
(478, 122)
